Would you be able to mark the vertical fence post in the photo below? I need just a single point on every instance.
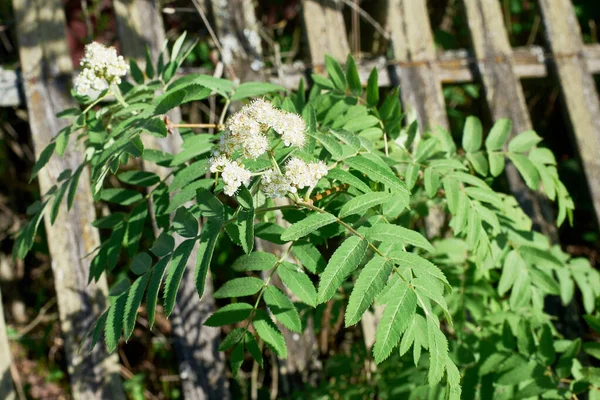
(46, 74)
(578, 87)
(325, 30)
(7, 390)
(201, 365)
(412, 41)
(505, 96)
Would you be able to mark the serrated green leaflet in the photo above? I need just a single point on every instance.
(419, 265)
(438, 352)
(239, 287)
(395, 233)
(362, 203)
(134, 299)
(377, 173)
(341, 264)
(206, 248)
(369, 284)
(396, 317)
(269, 332)
(257, 261)
(307, 226)
(158, 273)
(175, 273)
(229, 314)
(282, 308)
(309, 256)
(298, 282)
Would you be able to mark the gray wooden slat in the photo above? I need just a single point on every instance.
(325, 31)
(412, 41)
(504, 95)
(46, 73)
(578, 88)
(7, 390)
(201, 365)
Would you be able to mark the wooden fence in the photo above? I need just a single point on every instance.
(416, 67)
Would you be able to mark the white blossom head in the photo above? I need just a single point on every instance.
(302, 174)
(100, 64)
(274, 184)
(255, 146)
(291, 127)
(234, 175)
(262, 111)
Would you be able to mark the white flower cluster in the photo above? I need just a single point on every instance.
(298, 175)
(101, 67)
(233, 173)
(245, 131)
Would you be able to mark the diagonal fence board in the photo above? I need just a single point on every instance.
(578, 87)
(201, 365)
(504, 95)
(412, 41)
(325, 31)
(7, 390)
(47, 70)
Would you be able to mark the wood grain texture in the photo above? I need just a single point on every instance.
(201, 365)
(505, 97)
(454, 66)
(7, 390)
(325, 31)
(578, 87)
(46, 73)
(412, 41)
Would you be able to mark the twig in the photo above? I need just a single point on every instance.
(214, 37)
(38, 318)
(367, 18)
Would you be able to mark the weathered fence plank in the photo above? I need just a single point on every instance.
(325, 30)
(578, 88)
(7, 390)
(46, 72)
(201, 365)
(504, 95)
(412, 41)
(454, 66)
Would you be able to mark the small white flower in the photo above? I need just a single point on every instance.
(274, 184)
(234, 175)
(102, 66)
